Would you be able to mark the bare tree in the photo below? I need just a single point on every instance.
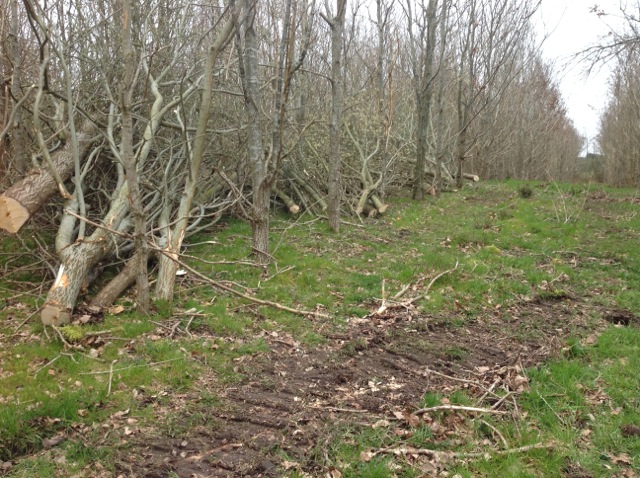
(423, 63)
(336, 24)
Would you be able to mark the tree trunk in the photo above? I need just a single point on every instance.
(78, 258)
(334, 198)
(174, 236)
(19, 202)
(130, 164)
(424, 100)
(116, 286)
(18, 136)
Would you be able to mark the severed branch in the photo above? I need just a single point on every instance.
(399, 305)
(448, 454)
(423, 411)
(231, 290)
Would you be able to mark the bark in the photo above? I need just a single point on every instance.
(78, 258)
(334, 198)
(116, 286)
(287, 200)
(424, 101)
(308, 189)
(18, 136)
(168, 267)
(20, 201)
(260, 187)
(130, 166)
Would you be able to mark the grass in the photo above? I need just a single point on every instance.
(558, 241)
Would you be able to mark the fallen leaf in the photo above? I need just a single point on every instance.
(379, 424)
(621, 459)
(366, 455)
(334, 473)
(287, 465)
(53, 441)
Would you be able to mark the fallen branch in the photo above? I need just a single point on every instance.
(255, 300)
(497, 432)
(448, 454)
(111, 369)
(400, 305)
(437, 408)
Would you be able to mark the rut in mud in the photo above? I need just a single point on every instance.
(294, 400)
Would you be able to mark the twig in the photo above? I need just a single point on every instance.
(186, 329)
(52, 361)
(402, 292)
(447, 454)
(497, 432)
(462, 380)
(433, 281)
(551, 408)
(255, 300)
(21, 324)
(499, 402)
(277, 273)
(46, 365)
(384, 307)
(64, 341)
(110, 377)
(343, 410)
(111, 370)
(422, 411)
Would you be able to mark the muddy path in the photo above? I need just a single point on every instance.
(294, 399)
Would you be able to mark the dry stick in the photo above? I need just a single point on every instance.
(21, 324)
(490, 390)
(225, 288)
(186, 329)
(50, 362)
(111, 370)
(402, 292)
(409, 302)
(64, 341)
(433, 281)
(463, 380)
(286, 269)
(499, 402)
(497, 432)
(422, 411)
(343, 410)
(110, 377)
(447, 454)
(46, 365)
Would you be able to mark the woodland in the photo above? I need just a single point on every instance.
(300, 238)
(131, 126)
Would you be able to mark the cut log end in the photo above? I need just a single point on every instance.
(383, 208)
(55, 315)
(295, 209)
(13, 215)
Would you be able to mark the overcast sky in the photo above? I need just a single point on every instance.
(571, 27)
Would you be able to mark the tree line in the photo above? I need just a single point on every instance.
(146, 122)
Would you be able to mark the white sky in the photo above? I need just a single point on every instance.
(571, 27)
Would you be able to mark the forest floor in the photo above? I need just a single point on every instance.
(478, 334)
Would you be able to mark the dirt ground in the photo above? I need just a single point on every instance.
(293, 399)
